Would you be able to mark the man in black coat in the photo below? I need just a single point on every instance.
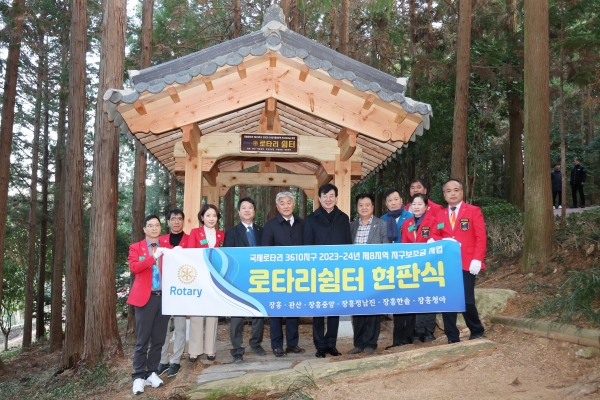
(556, 177)
(327, 225)
(578, 175)
(286, 229)
(245, 234)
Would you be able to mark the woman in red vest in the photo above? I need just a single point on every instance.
(418, 230)
(203, 336)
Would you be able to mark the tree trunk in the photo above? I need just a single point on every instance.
(333, 32)
(31, 243)
(345, 27)
(243, 191)
(40, 326)
(58, 226)
(8, 118)
(237, 19)
(302, 204)
(515, 120)
(173, 192)
(74, 165)
(412, 49)
(138, 209)
(229, 208)
(102, 338)
(461, 97)
(539, 221)
(294, 17)
(563, 147)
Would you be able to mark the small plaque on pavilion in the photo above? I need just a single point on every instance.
(257, 143)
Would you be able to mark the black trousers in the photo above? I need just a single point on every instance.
(236, 330)
(577, 187)
(404, 325)
(150, 328)
(366, 330)
(559, 195)
(291, 331)
(471, 315)
(323, 340)
(425, 324)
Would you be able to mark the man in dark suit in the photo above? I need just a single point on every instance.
(367, 229)
(145, 296)
(245, 234)
(327, 225)
(463, 223)
(286, 229)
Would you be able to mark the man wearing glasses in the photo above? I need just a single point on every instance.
(176, 237)
(146, 297)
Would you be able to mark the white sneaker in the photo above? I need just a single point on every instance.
(559, 206)
(154, 380)
(138, 386)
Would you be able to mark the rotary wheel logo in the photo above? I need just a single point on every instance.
(187, 274)
(255, 143)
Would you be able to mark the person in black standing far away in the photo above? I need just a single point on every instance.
(327, 225)
(578, 175)
(556, 178)
(245, 234)
(286, 229)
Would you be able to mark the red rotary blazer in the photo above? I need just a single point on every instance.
(198, 239)
(141, 261)
(164, 241)
(431, 206)
(421, 234)
(469, 230)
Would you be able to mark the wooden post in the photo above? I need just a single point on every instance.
(192, 191)
(212, 195)
(341, 179)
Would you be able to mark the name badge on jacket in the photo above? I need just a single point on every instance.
(464, 224)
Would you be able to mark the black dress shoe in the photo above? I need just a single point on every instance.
(392, 346)
(279, 352)
(320, 354)
(334, 352)
(453, 341)
(294, 349)
(477, 336)
(428, 338)
(417, 338)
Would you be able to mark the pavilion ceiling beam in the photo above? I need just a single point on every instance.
(191, 137)
(174, 95)
(336, 88)
(295, 167)
(303, 73)
(272, 60)
(241, 68)
(322, 176)
(262, 122)
(228, 179)
(139, 107)
(347, 143)
(369, 101)
(270, 112)
(211, 175)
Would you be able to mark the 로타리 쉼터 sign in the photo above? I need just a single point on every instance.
(268, 143)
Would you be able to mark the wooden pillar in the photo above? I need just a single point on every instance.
(341, 179)
(316, 203)
(212, 195)
(192, 192)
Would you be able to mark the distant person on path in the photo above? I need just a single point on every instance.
(404, 324)
(327, 225)
(286, 229)
(578, 175)
(367, 229)
(418, 230)
(146, 297)
(245, 234)
(463, 223)
(203, 330)
(177, 237)
(556, 177)
(418, 185)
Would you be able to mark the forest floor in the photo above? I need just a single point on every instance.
(520, 366)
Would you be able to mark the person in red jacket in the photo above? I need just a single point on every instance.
(463, 223)
(176, 237)
(145, 296)
(418, 230)
(418, 185)
(203, 338)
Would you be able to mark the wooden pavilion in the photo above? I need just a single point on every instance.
(272, 98)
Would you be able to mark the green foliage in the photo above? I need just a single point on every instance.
(577, 299)
(300, 388)
(504, 224)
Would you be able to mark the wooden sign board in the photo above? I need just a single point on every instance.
(256, 143)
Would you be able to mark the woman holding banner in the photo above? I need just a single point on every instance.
(203, 335)
(418, 230)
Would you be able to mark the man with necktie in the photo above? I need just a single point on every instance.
(286, 229)
(245, 234)
(463, 223)
(145, 296)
